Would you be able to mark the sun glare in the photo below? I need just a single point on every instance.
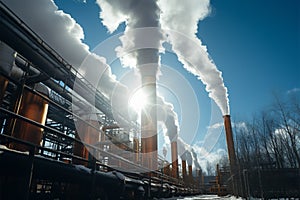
(138, 100)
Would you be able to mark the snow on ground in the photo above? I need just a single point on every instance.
(205, 197)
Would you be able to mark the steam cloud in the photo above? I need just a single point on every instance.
(196, 163)
(191, 53)
(136, 14)
(166, 114)
(184, 20)
(63, 34)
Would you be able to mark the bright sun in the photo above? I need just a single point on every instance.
(137, 100)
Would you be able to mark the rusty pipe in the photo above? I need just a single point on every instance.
(230, 143)
(190, 168)
(183, 163)
(174, 159)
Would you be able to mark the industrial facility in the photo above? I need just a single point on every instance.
(48, 152)
(63, 138)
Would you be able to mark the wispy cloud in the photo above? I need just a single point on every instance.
(293, 90)
(215, 126)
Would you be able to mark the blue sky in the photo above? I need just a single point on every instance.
(256, 45)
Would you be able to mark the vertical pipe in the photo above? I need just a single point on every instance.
(184, 175)
(88, 134)
(33, 107)
(174, 159)
(149, 123)
(136, 150)
(3, 86)
(229, 140)
(231, 152)
(190, 177)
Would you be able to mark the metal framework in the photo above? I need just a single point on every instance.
(44, 158)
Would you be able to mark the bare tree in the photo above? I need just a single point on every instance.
(289, 126)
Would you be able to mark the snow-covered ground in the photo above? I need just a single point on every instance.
(215, 197)
(205, 197)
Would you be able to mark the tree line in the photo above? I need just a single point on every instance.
(272, 138)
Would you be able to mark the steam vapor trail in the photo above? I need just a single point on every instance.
(184, 19)
(166, 114)
(136, 14)
(196, 163)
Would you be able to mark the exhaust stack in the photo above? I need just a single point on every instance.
(184, 175)
(230, 144)
(174, 159)
(190, 174)
(231, 152)
(149, 122)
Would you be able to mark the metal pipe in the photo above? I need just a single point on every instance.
(174, 159)
(229, 140)
(7, 59)
(89, 135)
(136, 150)
(184, 174)
(149, 124)
(231, 152)
(35, 108)
(190, 174)
(21, 38)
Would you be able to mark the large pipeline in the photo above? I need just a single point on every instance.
(7, 59)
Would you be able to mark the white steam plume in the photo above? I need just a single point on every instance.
(196, 163)
(136, 14)
(184, 151)
(183, 17)
(188, 153)
(167, 115)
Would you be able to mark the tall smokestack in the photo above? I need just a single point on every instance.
(184, 175)
(166, 114)
(231, 152)
(230, 144)
(183, 163)
(138, 15)
(174, 159)
(190, 174)
(189, 160)
(149, 120)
